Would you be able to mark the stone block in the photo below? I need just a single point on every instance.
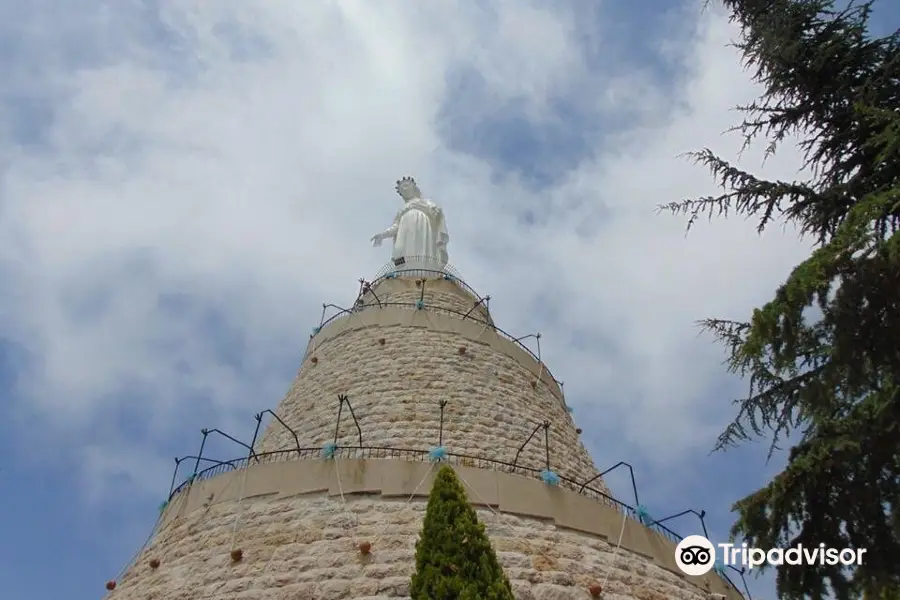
(407, 479)
(305, 477)
(522, 496)
(636, 538)
(480, 485)
(353, 476)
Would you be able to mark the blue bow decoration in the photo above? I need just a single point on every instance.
(437, 454)
(328, 450)
(643, 515)
(420, 304)
(549, 477)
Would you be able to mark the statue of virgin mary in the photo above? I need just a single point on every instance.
(419, 231)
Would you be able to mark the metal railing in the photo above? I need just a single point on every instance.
(448, 273)
(420, 455)
(417, 264)
(390, 271)
(410, 454)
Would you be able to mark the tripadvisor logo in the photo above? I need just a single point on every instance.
(695, 555)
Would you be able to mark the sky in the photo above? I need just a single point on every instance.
(184, 183)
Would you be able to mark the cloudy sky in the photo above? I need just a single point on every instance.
(184, 183)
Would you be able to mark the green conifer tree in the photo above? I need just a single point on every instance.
(454, 557)
(822, 357)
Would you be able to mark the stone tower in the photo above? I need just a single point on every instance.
(328, 500)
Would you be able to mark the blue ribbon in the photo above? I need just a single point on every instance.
(437, 454)
(328, 450)
(549, 477)
(391, 275)
(569, 409)
(316, 330)
(643, 515)
(420, 304)
(163, 505)
(719, 568)
(448, 278)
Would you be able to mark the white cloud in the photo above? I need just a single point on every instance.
(246, 166)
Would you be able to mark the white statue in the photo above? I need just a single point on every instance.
(419, 231)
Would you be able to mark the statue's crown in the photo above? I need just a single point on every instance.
(404, 183)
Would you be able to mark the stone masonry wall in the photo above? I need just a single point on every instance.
(305, 548)
(394, 389)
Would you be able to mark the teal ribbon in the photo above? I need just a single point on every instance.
(328, 450)
(437, 454)
(643, 515)
(549, 477)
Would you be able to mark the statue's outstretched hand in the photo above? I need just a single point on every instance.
(376, 240)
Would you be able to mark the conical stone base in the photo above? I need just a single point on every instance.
(291, 525)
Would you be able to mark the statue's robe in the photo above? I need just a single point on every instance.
(420, 235)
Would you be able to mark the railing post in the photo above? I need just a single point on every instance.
(283, 424)
(525, 443)
(637, 501)
(547, 442)
(346, 400)
(174, 476)
(476, 305)
(258, 417)
(442, 404)
(337, 426)
(365, 286)
(746, 588)
(233, 439)
(205, 433)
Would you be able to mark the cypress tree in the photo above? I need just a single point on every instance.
(454, 557)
